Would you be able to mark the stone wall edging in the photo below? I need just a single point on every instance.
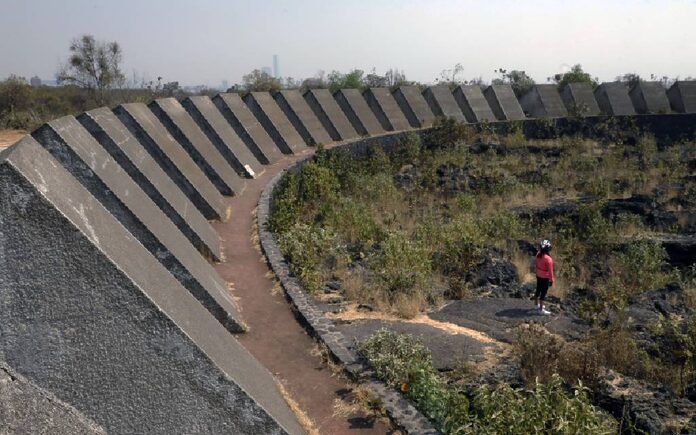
(400, 410)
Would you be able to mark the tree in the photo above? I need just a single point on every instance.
(259, 81)
(575, 75)
(352, 80)
(93, 65)
(631, 79)
(374, 80)
(449, 76)
(316, 82)
(519, 80)
(14, 94)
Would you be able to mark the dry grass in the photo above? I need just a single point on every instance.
(305, 421)
(352, 314)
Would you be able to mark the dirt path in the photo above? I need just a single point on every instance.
(275, 337)
(8, 137)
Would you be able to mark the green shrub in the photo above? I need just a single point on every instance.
(404, 363)
(641, 266)
(352, 220)
(309, 250)
(407, 150)
(446, 133)
(316, 183)
(286, 206)
(403, 265)
(547, 409)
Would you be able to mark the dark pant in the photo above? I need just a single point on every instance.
(542, 288)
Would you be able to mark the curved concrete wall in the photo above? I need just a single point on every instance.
(106, 241)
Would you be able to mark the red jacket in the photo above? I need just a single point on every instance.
(543, 263)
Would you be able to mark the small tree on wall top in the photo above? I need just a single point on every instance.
(259, 81)
(519, 80)
(93, 65)
(575, 75)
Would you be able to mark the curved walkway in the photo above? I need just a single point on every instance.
(275, 337)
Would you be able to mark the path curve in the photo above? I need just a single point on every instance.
(275, 337)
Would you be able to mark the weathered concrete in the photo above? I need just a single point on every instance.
(247, 127)
(330, 114)
(385, 108)
(613, 99)
(543, 101)
(144, 170)
(302, 117)
(223, 136)
(503, 103)
(104, 328)
(28, 409)
(649, 97)
(172, 158)
(579, 99)
(414, 106)
(184, 129)
(277, 125)
(473, 104)
(442, 103)
(682, 96)
(81, 155)
(358, 112)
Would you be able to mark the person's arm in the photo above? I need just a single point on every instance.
(551, 270)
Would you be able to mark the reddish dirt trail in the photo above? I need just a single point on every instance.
(275, 337)
(8, 137)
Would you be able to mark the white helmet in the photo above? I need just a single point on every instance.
(545, 245)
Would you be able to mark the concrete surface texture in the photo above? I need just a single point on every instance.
(503, 103)
(330, 114)
(74, 148)
(414, 106)
(649, 97)
(579, 99)
(442, 103)
(172, 158)
(358, 112)
(104, 328)
(613, 99)
(222, 135)
(386, 109)
(247, 127)
(105, 127)
(302, 117)
(28, 409)
(543, 101)
(473, 104)
(184, 129)
(276, 123)
(682, 96)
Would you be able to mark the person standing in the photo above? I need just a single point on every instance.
(543, 265)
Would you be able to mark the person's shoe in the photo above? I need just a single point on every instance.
(544, 312)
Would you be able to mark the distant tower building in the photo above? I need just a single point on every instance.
(276, 67)
(35, 81)
(224, 85)
(266, 70)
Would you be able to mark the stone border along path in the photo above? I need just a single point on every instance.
(401, 411)
(274, 336)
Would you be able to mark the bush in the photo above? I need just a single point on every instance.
(403, 266)
(546, 408)
(446, 133)
(316, 183)
(308, 250)
(404, 363)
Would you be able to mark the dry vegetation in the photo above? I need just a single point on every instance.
(404, 231)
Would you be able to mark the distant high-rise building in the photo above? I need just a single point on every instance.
(35, 81)
(276, 66)
(266, 70)
(224, 85)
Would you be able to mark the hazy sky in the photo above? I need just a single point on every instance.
(207, 41)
